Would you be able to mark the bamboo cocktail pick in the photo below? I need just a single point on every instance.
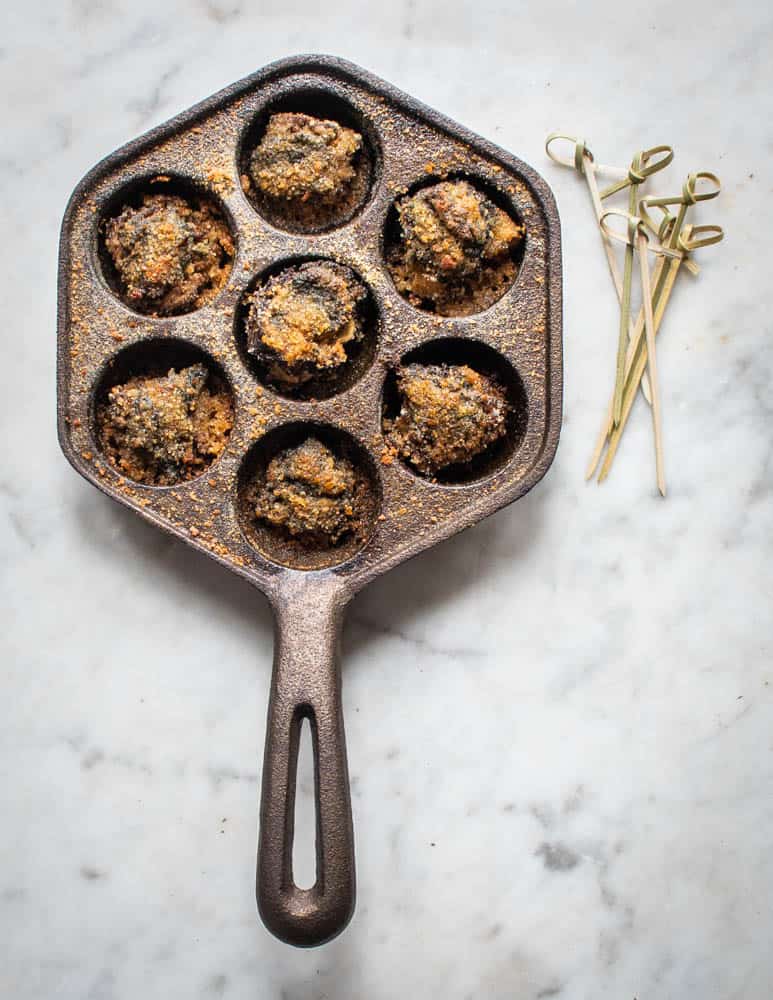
(691, 238)
(631, 356)
(672, 241)
(584, 163)
(637, 235)
(676, 243)
(652, 366)
(642, 166)
(663, 233)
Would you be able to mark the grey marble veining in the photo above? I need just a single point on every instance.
(559, 723)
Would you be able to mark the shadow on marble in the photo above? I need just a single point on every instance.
(392, 603)
(175, 562)
(389, 606)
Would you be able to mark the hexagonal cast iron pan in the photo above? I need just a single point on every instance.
(518, 339)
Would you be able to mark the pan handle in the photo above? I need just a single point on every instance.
(306, 684)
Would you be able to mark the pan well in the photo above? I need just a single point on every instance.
(281, 541)
(321, 383)
(457, 351)
(431, 287)
(296, 214)
(152, 233)
(162, 412)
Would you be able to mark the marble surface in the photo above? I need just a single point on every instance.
(559, 723)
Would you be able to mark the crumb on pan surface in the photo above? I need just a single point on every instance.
(455, 251)
(301, 157)
(304, 321)
(313, 495)
(165, 429)
(171, 255)
(448, 415)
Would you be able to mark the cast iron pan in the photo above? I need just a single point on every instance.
(518, 340)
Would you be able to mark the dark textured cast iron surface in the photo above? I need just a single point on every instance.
(205, 147)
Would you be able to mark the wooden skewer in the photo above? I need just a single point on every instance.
(590, 170)
(652, 364)
(691, 238)
(643, 165)
(636, 364)
(608, 425)
(669, 236)
(678, 235)
(625, 302)
(639, 363)
(584, 163)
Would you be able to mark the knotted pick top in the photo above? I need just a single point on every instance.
(636, 225)
(691, 195)
(646, 163)
(581, 151)
(581, 156)
(709, 235)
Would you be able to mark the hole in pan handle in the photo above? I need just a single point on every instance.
(306, 684)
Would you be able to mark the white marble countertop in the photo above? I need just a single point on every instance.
(559, 723)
